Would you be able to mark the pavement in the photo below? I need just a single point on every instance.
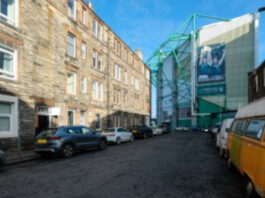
(16, 157)
(174, 165)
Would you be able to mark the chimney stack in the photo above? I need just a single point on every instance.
(139, 53)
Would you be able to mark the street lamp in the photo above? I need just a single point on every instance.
(261, 9)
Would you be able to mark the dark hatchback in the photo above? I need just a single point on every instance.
(66, 140)
(141, 131)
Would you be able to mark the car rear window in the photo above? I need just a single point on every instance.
(255, 129)
(112, 130)
(48, 132)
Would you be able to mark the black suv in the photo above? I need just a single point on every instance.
(141, 131)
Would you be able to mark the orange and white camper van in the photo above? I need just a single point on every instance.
(246, 146)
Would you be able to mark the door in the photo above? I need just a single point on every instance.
(76, 136)
(43, 123)
(253, 151)
(90, 137)
(127, 134)
(121, 133)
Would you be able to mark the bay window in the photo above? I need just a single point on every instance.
(83, 85)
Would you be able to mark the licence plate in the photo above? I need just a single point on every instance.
(42, 141)
(134, 131)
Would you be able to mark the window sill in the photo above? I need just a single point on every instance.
(14, 27)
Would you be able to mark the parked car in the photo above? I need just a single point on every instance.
(118, 135)
(182, 129)
(246, 147)
(141, 131)
(158, 130)
(67, 139)
(2, 159)
(216, 128)
(195, 128)
(221, 140)
(166, 128)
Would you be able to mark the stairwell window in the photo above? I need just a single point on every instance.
(9, 11)
(97, 30)
(97, 91)
(8, 63)
(71, 44)
(72, 9)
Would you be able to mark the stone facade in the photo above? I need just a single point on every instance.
(40, 42)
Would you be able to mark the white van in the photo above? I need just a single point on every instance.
(221, 138)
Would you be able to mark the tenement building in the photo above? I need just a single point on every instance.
(60, 64)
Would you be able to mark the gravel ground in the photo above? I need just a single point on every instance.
(175, 165)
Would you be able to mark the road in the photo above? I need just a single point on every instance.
(175, 165)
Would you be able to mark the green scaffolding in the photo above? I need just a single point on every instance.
(178, 45)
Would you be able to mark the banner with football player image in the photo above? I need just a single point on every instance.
(211, 63)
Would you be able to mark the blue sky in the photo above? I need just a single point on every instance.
(145, 24)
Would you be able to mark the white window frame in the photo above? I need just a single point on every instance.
(99, 32)
(69, 33)
(83, 50)
(13, 118)
(84, 12)
(69, 13)
(95, 54)
(69, 72)
(95, 28)
(100, 121)
(84, 82)
(95, 90)
(83, 113)
(73, 111)
(99, 59)
(125, 77)
(5, 74)
(13, 22)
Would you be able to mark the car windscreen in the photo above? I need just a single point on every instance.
(47, 132)
(109, 130)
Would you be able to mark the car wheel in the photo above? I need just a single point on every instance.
(132, 138)
(102, 144)
(118, 141)
(68, 150)
(249, 189)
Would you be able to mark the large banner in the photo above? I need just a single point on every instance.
(211, 63)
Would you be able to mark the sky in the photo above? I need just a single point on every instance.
(145, 24)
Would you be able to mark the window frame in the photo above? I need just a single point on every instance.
(84, 15)
(74, 45)
(75, 83)
(74, 112)
(99, 119)
(15, 21)
(83, 82)
(73, 16)
(83, 112)
(83, 51)
(13, 132)
(14, 54)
